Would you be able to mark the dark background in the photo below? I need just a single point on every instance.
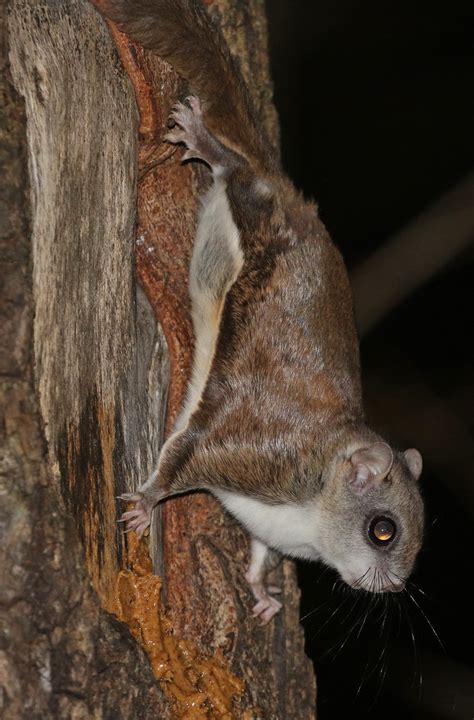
(375, 104)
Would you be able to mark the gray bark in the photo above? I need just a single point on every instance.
(73, 385)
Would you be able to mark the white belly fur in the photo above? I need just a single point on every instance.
(215, 222)
(289, 528)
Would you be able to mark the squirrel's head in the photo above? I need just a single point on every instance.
(370, 523)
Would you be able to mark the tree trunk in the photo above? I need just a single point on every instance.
(93, 373)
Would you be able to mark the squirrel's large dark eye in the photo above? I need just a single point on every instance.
(382, 530)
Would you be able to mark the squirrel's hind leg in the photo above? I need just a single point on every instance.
(200, 143)
(217, 257)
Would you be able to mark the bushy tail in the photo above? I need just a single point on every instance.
(182, 32)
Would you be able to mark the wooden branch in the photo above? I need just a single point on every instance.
(413, 255)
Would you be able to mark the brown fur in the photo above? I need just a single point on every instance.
(182, 32)
(280, 418)
(285, 377)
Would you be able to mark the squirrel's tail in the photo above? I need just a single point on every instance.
(182, 32)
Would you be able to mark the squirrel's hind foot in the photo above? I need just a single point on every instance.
(200, 143)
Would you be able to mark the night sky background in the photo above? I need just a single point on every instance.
(376, 113)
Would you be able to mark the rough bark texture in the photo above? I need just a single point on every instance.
(85, 376)
(73, 368)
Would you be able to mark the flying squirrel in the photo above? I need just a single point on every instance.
(273, 423)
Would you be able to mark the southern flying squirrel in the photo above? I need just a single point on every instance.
(273, 423)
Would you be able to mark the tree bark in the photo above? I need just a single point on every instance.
(86, 373)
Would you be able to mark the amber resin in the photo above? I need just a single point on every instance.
(199, 687)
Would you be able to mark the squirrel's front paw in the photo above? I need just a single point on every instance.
(267, 606)
(139, 518)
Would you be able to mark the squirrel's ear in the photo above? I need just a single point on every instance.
(414, 461)
(371, 464)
